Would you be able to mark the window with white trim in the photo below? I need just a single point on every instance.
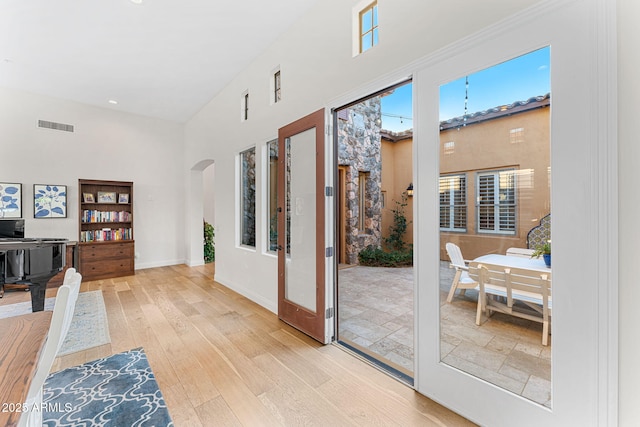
(272, 195)
(244, 103)
(277, 94)
(369, 27)
(248, 197)
(453, 203)
(496, 202)
(516, 135)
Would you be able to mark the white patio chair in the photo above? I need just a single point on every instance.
(520, 252)
(461, 280)
(63, 309)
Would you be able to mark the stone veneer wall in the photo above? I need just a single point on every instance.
(359, 150)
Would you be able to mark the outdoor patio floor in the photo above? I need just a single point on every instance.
(376, 315)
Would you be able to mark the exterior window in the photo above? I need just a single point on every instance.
(369, 27)
(516, 136)
(362, 200)
(248, 197)
(496, 196)
(245, 106)
(272, 197)
(449, 147)
(453, 203)
(276, 87)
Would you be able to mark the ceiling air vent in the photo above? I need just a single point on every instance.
(56, 126)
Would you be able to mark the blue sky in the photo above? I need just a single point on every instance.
(516, 80)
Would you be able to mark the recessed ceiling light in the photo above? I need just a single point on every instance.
(113, 101)
(136, 1)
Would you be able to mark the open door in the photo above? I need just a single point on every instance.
(301, 222)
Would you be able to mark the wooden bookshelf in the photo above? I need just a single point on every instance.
(106, 246)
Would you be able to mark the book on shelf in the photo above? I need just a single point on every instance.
(91, 215)
(106, 235)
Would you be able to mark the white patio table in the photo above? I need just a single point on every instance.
(535, 264)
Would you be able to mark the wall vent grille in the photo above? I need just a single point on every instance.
(55, 126)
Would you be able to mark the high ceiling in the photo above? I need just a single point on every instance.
(160, 58)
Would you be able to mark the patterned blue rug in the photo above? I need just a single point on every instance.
(115, 391)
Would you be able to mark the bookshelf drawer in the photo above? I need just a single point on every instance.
(102, 269)
(105, 251)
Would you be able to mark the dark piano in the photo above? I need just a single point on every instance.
(29, 261)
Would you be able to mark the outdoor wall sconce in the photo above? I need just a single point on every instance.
(410, 190)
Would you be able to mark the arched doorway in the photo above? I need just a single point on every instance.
(201, 206)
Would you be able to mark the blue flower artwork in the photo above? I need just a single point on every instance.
(10, 200)
(49, 201)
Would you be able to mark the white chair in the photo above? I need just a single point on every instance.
(60, 321)
(461, 280)
(502, 287)
(521, 252)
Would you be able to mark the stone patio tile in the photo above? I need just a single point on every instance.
(501, 344)
(538, 390)
(384, 346)
(531, 349)
(403, 336)
(347, 334)
(514, 373)
(376, 317)
(364, 329)
(399, 360)
(484, 373)
(479, 356)
(527, 363)
(466, 333)
(546, 351)
(445, 348)
(362, 342)
(346, 311)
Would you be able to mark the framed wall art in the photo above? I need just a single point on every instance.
(49, 201)
(123, 198)
(10, 200)
(106, 197)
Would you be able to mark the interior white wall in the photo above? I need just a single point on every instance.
(106, 145)
(629, 210)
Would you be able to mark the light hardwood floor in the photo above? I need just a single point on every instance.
(222, 360)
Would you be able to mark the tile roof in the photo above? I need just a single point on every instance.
(496, 112)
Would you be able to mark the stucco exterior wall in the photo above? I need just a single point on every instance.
(489, 146)
(397, 174)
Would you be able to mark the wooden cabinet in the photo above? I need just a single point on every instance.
(106, 247)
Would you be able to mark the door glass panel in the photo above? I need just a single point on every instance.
(495, 207)
(300, 224)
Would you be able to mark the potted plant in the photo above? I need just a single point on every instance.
(545, 251)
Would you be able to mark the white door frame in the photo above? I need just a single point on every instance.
(584, 205)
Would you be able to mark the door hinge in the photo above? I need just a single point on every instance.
(328, 252)
(328, 191)
(329, 313)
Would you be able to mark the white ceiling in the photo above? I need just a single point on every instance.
(162, 58)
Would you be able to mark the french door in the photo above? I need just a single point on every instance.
(301, 225)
